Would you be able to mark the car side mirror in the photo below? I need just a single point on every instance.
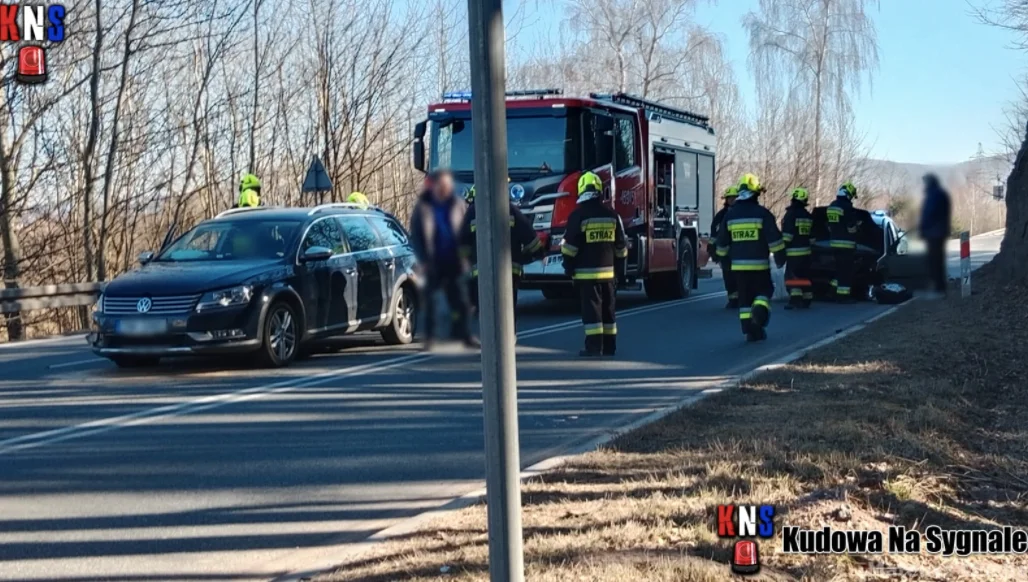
(418, 151)
(145, 257)
(315, 254)
(902, 244)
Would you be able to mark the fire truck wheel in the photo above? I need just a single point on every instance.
(686, 269)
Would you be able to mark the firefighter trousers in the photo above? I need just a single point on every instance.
(729, 277)
(845, 265)
(601, 331)
(797, 280)
(473, 291)
(755, 291)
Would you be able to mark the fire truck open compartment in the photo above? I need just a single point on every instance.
(656, 163)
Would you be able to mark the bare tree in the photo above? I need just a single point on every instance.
(827, 45)
(1012, 261)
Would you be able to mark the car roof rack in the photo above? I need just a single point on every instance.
(244, 209)
(654, 107)
(343, 205)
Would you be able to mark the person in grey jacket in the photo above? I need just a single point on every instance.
(434, 231)
(935, 227)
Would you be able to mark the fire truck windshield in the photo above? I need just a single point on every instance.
(536, 146)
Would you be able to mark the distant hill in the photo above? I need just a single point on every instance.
(902, 177)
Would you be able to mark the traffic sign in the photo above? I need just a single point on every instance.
(317, 179)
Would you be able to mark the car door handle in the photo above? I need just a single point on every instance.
(391, 264)
(350, 271)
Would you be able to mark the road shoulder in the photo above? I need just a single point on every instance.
(912, 420)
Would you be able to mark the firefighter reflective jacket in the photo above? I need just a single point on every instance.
(524, 244)
(248, 198)
(594, 242)
(796, 228)
(748, 236)
(842, 223)
(719, 220)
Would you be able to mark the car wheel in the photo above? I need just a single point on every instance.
(400, 330)
(281, 335)
(135, 361)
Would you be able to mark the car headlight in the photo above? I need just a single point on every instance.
(231, 297)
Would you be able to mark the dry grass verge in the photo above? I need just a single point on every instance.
(919, 419)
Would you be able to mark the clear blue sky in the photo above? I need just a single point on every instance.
(943, 83)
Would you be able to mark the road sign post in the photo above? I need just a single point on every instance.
(316, 181)
(965, 264)
(496, 299)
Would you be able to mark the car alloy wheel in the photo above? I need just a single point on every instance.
(282, 331)
(405, 315)
(400, 330)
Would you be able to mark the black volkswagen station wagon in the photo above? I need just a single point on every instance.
(262, 280)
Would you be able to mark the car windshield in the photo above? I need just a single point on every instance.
(535, 145)
(226, 240)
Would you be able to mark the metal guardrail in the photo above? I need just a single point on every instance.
(49, 296)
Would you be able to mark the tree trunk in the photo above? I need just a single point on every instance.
(1013, 255)
(12, 250)
(88, 154)
(112, 151)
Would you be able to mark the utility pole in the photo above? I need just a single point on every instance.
(492, 214)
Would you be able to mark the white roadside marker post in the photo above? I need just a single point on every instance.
(965, 264)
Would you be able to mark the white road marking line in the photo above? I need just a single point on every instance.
(34, 440)
(39, 439)
(69, 339)
(76, 363)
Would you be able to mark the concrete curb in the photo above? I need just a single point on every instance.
(414, 523)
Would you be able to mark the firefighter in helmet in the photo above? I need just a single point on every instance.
(359, 199)
(726, 264)
(796, 228)
(749, 234)
(595, 251)
(843, 227)
(525, 246)
(249, 192)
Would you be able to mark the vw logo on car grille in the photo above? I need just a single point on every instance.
(144, 305)
(517, 192)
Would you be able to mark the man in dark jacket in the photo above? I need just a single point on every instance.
(525, 246)
(434, 234)
(726, 263)
(935, 229)
(796, 228)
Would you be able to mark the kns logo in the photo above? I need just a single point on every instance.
(745, 521)
(32, 23)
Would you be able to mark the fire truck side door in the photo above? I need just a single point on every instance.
(686, 182)
(705, 192)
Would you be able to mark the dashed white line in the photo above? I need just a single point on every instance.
(76, 363)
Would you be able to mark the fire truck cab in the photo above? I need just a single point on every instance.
(657, 164)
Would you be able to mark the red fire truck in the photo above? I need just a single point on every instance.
(656, 161)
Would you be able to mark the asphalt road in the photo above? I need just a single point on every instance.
(208, 470)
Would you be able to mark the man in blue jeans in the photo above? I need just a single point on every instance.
(435, 225)
(936, 216)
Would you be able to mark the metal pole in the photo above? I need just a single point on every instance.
(496, 299)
